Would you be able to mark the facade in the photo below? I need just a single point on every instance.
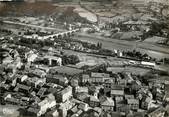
(117, 91)
(57, 79)
(146, 103)
(133, 104)
(94, 101)
(47, 103)
(53, 60)
(64, 95)
(108, 105)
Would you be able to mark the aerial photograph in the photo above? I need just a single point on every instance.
(84, 58)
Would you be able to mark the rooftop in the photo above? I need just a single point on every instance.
(66, 90)
(108, 102)
(99, 75)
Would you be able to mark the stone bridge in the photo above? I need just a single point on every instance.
(62, 34)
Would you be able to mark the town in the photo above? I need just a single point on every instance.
(84, 58)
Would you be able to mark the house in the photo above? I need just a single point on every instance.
(108, 84)
(98, 77)
(128, 77)
(136, 114)
(12, 80)
(13, 101)
(146, 103)
(53, 60)
(85, 78)
(167, 93)
(108, 105)
(73, 110)
(158, 112)
(122, 82)
(37, 72)
(52, 113)
(118, 99)
(135, 85)
(122, 107)
(57, 79)
(35, 81)
(93, 90)
(74, 82)
(6, 95)
(64, 95)
(95, 77)
(98, 110)
(133, 104)
(4, 86)
(47, 103)
(23, 88)
(94, 101)
(117, 91)
(82, 96)
(67, 105)
(41, 92)
(31, 56)
(116, 114)
(83, 106)
(33, 112)
(62, 112)
(7, 60)
(21, 78)
(43, 68)
(128, 96)
(81, 90)
(79, 112)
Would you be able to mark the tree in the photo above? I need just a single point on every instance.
(74, 59)
(71, 59)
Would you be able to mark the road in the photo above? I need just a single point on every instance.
(151, 49)
(33, 26)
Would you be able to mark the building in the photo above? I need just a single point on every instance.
(53, 60)
(108, 105)
(53, 113)
(23, 88)
(167, 93)
(95, 77)
(13, 101)
(64, 95)
(37, 72)
(74, 82)
(85, 78)
(57, 79)
(158, 112)
(35, 81)
(108, 84)
(81, 90)
(31, 56)
(117, 91)
(21, 78)
(34, 112)
(98, 77)
(146, 103)
(67, 105)
(41, 92)
(47, 103)
(94, 101)
(83, 106)
(133, 104)
(122, 107)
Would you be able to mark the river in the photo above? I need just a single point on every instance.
(152, 50)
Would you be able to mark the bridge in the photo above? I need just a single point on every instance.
(53, 36)
(61, 35)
